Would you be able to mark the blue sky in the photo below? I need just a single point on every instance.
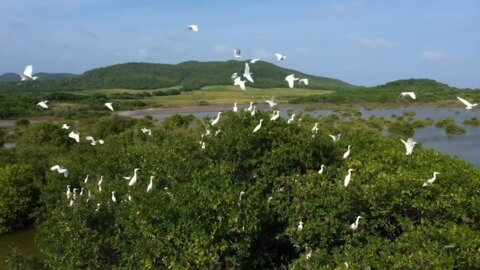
(359, 41)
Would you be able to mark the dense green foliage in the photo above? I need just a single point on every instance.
(196, 218)
(191, 75)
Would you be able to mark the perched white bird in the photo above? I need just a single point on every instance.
(81, 191)
(409, 144)
(468, 105)
(249, 109)
(431, 180)
(236, 53)
(410, 94)
(150, 185)
(335, 138)
(147, 130)
(27, 74)
(235, 108)
(257, 128)
(315, 128)
(240, 196)
(252, 113)
(291, 80)
(109, 105)
(69, 193)
(238, 82)
(65, 126)
(133, 179)
(75, 193)
(271, 102)
(93, 141)
(60, 170)
(86, 179)
(234, 76)
(254, 60)
(100, 181)
(348, 177)
(354, 226)
(75, 136)
(203, 145)
(192, 28)
(304, 81)
(43, 104)
(247, 74)
(280, 57)
(114, 199)
(71, 203)
(217, 132)
(321, 169)
(215, 121)
(300, 225)
(275, 115)
(98, 207)
(347, 153)
(291, 119)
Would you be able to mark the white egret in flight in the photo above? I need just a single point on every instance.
(431, 180)
(409, 144)
(271, 102)
(28, 74)
(75, 136)
(348, 177)
(215, 121)
(43, 104)
(280, 57)
(60, 170)
(468, 105)
(133, 179)
(109, 105)
(247, 74)
(93, 141)
(257, 128)
(192, 28)
(354, 226)
(347, 153)
(304, 81)
(236, 53)
(410, 94)
(65, 126)
(254, 60)
(291, 80)
(147, 130)
(335, 138)
(238, 82)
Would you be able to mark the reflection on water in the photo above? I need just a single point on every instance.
(23, 240)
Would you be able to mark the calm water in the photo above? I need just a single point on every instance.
(22, 240)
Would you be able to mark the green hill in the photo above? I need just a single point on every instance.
(188, 75)
(9, 77)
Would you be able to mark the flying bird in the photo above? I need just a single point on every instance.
(431, 180)
(75, 136)
(271, 102)
(234, 76)
(236, 53)
(257, 128)
(65, 126)
(247, 74)
(354, 226)
(347, 153)
(147, 130)
(335, 138)
(60, 170)
(348, 177)
(280, 57)
(109, 105)
(410, 94)
(254, 60)
(238, 82)
(27, 74)
(291, 80)
(409, 144)
(192, 28)
(43, 104)
(133, 178)
(93, 141)
(304, 81)
(215, 121)
(468, 105)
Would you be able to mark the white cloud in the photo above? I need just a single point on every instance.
(372, 43)
(436, 56)
(221, 49)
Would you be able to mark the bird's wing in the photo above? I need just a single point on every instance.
(290, 80)
(28, 71)
(247, 69)
(404, 142)
(254, 60)
(464, 101)
(234, 76)
(279, 56)
(412, 94)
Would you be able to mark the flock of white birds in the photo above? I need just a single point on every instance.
(237, 81)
